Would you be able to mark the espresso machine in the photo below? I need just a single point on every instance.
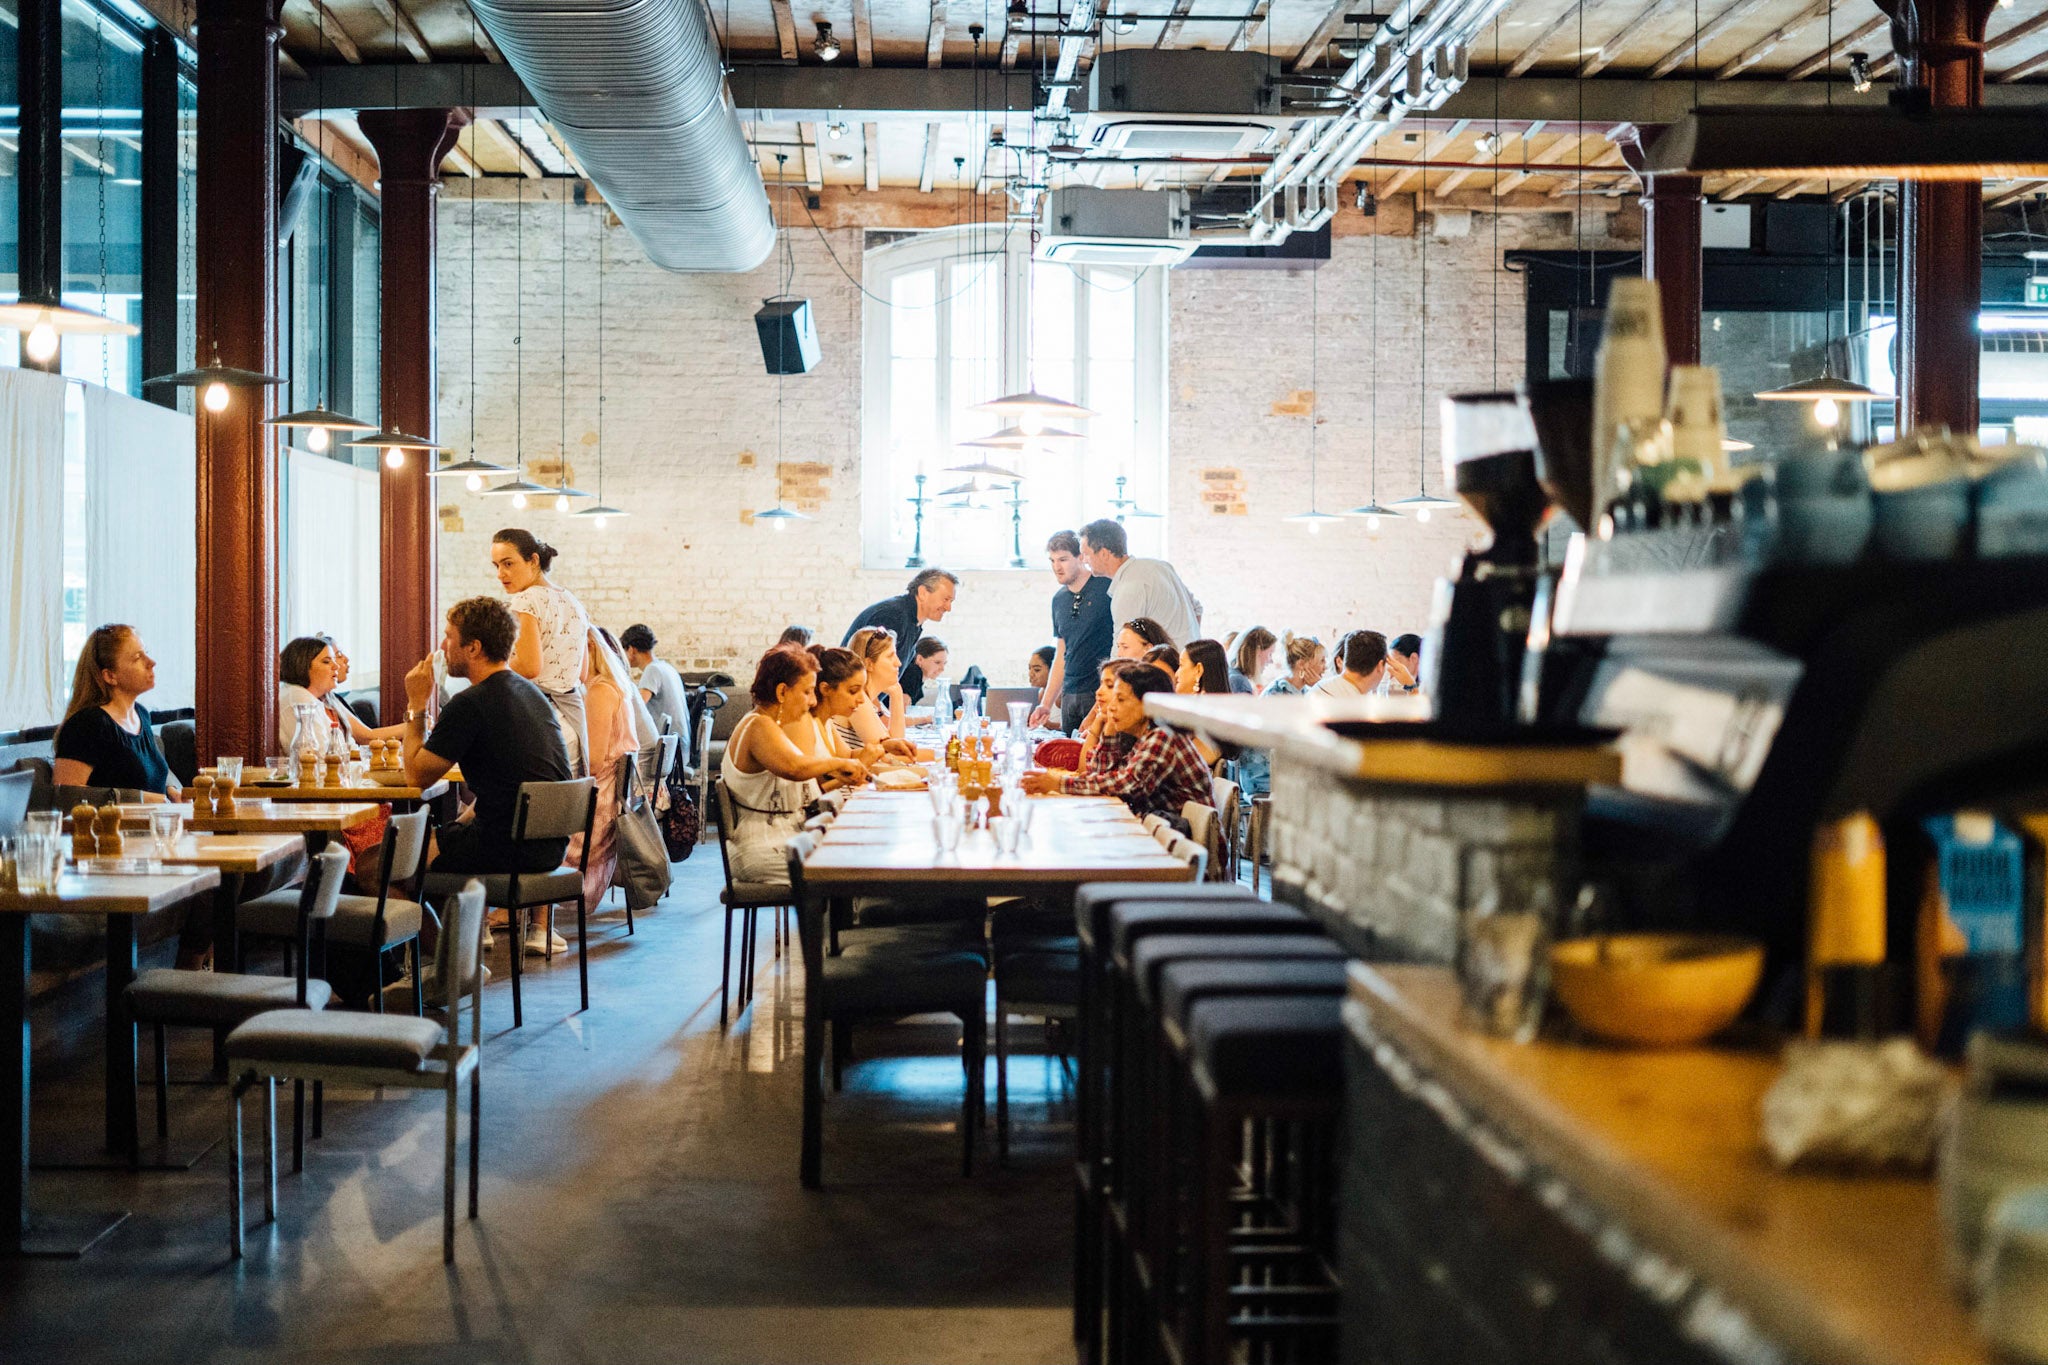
(1479, 623)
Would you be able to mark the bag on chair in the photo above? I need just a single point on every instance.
(682, 824)
(643, 871)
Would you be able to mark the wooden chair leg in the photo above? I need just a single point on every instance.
(163, 1086)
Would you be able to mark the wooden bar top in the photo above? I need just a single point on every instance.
(113, 893)
(1841, 1268)
(1296, 727)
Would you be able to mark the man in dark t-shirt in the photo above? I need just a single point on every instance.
(501, 729)
(1081, 624)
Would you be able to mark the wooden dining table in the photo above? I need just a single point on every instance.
(121, 899)
(321, 818)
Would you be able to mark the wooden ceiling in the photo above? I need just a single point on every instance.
(1478, 162)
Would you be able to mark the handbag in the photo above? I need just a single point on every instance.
(682, 824)
(643, 870)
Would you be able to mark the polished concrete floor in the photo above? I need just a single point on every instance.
(640, 1195)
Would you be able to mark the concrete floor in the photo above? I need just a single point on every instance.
(640, 1195)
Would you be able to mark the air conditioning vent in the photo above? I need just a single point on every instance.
(1130, 228)
(1167, 137)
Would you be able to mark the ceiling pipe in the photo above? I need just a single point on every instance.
(637, 90)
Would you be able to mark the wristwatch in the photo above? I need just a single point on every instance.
(411, 716)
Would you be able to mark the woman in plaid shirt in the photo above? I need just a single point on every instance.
(1162, 771)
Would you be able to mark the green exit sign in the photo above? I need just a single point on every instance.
(2037, 291)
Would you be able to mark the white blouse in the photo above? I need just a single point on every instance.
(564, 633)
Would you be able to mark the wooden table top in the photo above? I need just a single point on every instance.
(237, 853)
(113, 894)
(368, 791)
(885, 838)
(260, 817)
(1842, 1268)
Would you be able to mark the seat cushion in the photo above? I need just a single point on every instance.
(277, 916)
(165, 995)
(877, 912)
(1132, 920)
(1039, 978)
(959, 936)
(535, 888)
(1247, 1047)
(1183, 985)
(1149, 955)
(398, 1042)
(1094, 901)
(757, 894)
(894, 981)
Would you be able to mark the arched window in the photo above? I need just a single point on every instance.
(957, 317)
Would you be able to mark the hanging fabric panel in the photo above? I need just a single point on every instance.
(32, 543)
(141, 529)
(332, 571)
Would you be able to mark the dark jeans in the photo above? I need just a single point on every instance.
(1074, 709)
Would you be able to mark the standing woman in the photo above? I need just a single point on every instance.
(553, 648)
(609, 720)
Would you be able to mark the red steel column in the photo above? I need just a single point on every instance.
(237, 475)
(1941, 223)
(410, 144)
(1671, 243)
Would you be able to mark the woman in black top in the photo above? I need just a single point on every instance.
(106, 739)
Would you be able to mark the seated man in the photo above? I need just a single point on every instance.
(501, 729)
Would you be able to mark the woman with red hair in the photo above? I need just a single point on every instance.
(769, 779)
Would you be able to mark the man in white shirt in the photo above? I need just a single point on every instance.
(1361, 660)
(661, 687)
(1140, 587)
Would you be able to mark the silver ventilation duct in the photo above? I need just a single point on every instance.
(636, 88)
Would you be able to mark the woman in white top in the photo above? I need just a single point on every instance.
(768, 778)
(553, 646)
(307, 674)
(840, 686)
(868, 730)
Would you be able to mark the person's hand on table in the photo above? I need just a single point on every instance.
(419, 684)
(851, 770)
(1040, 716)
(902, 748)
(1043, 782)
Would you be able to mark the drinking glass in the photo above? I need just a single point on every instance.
(280, 767)
(1020, 805)
(10, 861)
(970, 703)
(229, 770)
(946, 831)
(38, 858)
(1007, 829)
(50, 822)
(166, 824)
(1020, 719)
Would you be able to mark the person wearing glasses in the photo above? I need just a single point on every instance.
(1083, 634)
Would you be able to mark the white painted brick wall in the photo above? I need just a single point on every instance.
(687, 399)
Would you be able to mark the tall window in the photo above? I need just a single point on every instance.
(102, 173)
(956, 318)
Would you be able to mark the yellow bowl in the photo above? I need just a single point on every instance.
(1657, 990)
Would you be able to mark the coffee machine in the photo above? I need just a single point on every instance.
(1479, 624)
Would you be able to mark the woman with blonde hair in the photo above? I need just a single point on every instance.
(1254, 653)
(1305, 665)
(868, 728)
(608, 715)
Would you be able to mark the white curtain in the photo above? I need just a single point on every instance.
(32, 532)
(141, 529)
(332, 570)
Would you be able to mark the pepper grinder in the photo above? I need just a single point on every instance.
(84, 841)
(202, 796)
(109, 831)
(224, 796)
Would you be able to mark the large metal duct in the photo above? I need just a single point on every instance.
(636, 89)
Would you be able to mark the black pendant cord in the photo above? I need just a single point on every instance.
(99, 143)
(1373, 428)
(473, 300)
(599, 220)
(518, 333)
(562, 466)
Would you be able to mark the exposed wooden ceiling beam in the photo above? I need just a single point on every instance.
(288, 65)
(502, 142)
(2025, 68)
(336, 36)
(490, 49)
(2025, 189)
(871, 154)
(563, 147)
(1611, 47)
(2023, 29)
(1318, 41)
(1241, 38)
(1747, 185)
(785, 29)
(935, 36)
(1708, 32)
(1169, 33)
(1013, 40)
(813, 156)
(1431, 150)
(337, 140)
(930, 167)
(863, 35)
(1459, 177)
(1846, 43)
(1775, 39)
(1553, 155)
(459, 161)
(408, 33)
(1533, 53)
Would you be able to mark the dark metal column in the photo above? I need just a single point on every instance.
(237, 495)
(410, 144)
(39, 167)
(160, 215)
(1941, 223)
(1672, 206)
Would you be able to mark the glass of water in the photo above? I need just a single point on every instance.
(229, 770)
(166, 826)
(946, 831)
(38, 858)
(1007, 829)
(50, 822)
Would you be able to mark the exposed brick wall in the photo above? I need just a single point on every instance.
(690, 435)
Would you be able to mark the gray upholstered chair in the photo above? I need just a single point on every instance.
(179, 741)
(372, 1049)
(888, 975)
(543, 811)
(744, 899)
(382, 923)
(14, 793)
(169, 997)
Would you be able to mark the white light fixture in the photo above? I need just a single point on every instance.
(825, 45)
(519, 489)
(1372, 512)
(1015, 437)
(471, 471)
(215, 379)
(44, 326)
(983, 467)
(394, 443)
(779, 516)
(1421, 505)
(599, 513)
(1032, 409)
(835, 131)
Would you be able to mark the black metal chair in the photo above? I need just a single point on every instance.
(170, 997)
(744, 899)
(544, 811)
(882, 977)
(369, 1049)
(381, 923)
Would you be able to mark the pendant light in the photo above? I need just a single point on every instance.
(320, 422)
(470, 469)
(1424, 502)
(600, 513)
(983, 467)
(1827, 391)
(1015, 437)
(779, 516)
(1030, 411)
(45, 322)
(520, 488)
(1312, 518)
(1371, 509)
(563, 493)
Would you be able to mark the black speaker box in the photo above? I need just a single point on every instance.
(789, 343)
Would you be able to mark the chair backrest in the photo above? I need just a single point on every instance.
(810, 920)
(822, 821)
(1153, 824)
(727, 716)
(1191, 853)
(405, 846)
(700, 752)
(671, 745)
(14, 793)
(1205, 829)
(462, 940)
(553, 810)
(722, 804)
(1227, 799)
(317, 901)
(179, 740)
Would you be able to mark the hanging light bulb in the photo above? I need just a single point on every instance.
(561, 502)
(1827, 412)
(474, 483)
(1372, 521)
(519, 501)
(216, 399)
(42, 343)
(317, 440)
(1422, 514)
(394, 459)
(599, 521)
